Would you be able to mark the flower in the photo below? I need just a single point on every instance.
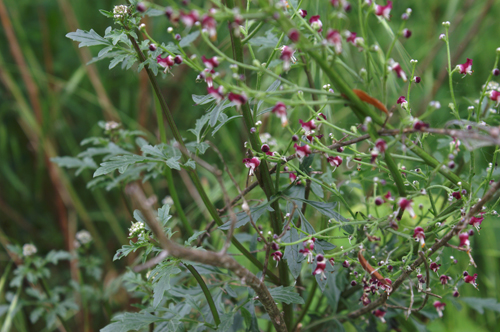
(302, 151)
(397, 68)
(166, 62)
(293, 177)
(419, 125)
(332, 261)
(210, 63)
(320, 266)
(237, 99)
(216, 93)
(381, 145)
(465, 68)
(380, 313)
(471, 279)
(406, 33)
(83, 236)
(351, 37)
(207, 76)
(29, 250)
(495, 96)
(476, 221)
(439, 307)
(379, 201)
(419, 235)
(334, 161)
(406, 204)
(456, 195)
(302, 12)
(316, 23)
(208, 23)
(189, 19)
(308, 126)
(110, 125)
(252, 164)
(384, 11)
(287, 57)
(334, 38)
(120, 11)
(136, 229)
(402, 100)
(346, 264)
(277, 255)
(464, 239)
(294, 35)
(280, 110)
(444, 279)
(434, 266)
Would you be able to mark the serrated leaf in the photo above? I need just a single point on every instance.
(275, 85)
(185, 41)
(72, 162)
(479, 304)
(268, 41)
(219, 126)
(119, 163)
(162, 282)
(200, 123)
(214, 115)
(131, 321)
(291, 254)
(174, 163)
(226, 322)
(286, 295)
(54, 256)
(116, 60)
(193, 237)
(243, 219)
(87, 38)
(317, 189)
(164, 214)
(202, 100)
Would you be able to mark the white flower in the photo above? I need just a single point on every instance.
(29, 250)
(137, 228)
(120, 11)
(83, 237)
(110, 125)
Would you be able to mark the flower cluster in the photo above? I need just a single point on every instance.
(29, 250)
(137, 228)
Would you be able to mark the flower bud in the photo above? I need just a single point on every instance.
(141, 7)
(152, 47)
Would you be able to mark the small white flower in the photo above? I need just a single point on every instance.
(29, 250)
(137, 228)
(110, 125)
(83, 236)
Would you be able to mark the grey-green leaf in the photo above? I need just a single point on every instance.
(87, 38)
(286, 295)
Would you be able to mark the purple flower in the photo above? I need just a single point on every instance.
(379, 201)
(444, 279)
(277, 255)
(294, 35)
(406, 33)
(419, 235)
(166, 62)
(384, 11)
(252, 164)
(419, 125)
(471, 279)
(401, 100)
(308, 126)
(208, 23)
(302, 12)
(464, 239)
(439, 307)
(495, 96)
(216, 93)
(465, 68)
(476, 221)
(238, 99)
(406, 204)
(334, 38)
(346, 264)
(302, 151)
(320, 266)
(316, 23)
(287, 57)
(210, 63)
(351, 37)
(189, 19)
(334, 161)
(399, 71)
(434, 266)
(381, 145)
(380, 313)
(456, 195)
(280, 110)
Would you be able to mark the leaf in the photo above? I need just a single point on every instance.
(164, 214)
(116, 60)
(325, 208)
(480, 304)
(226, 120)
(125, 250)
(87, 38)
(193, 237)
(317, 189)
(214, 115)
(306, 163)
(55, 256)
(200, 123)
(202, 100)
(226, 322)
(131, 321)
(119, 163)
(243, 219)
(286, 295)
(268, 41)
(291, 254)
(275, 85)
(185, 41)
(72, 162)
(162, 282)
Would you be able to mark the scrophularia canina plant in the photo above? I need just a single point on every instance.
(295, 196)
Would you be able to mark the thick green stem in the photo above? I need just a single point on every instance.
(207, 293)
(305, 309)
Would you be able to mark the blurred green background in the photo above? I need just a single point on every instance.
(50, 100)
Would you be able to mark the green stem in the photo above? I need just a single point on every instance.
(450, 74)
(305, 309)
(207, 293)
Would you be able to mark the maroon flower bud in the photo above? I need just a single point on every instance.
(294, 35)
(404, 17)
(178, 59)
(295, 138)
(451, 165)
(141, 7)
(302, 12)
(152, 47)
(340, 149)
(265, 148)
(353, 283)
(178, 37)
(451, 156)
(465, 273)
(406, 33)
(496, 71)
(379, 201)
(169, 12)
(419, 125)
(252, 130)
(346, 264)
(390, 268)
(470, 232)
(456, 294)
(417, 79)
(275, 246)
(456, 195)
(259, 239)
